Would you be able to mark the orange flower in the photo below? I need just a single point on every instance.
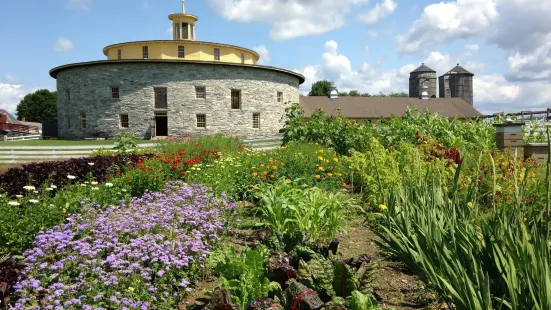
(272, 176)
(344, 185)
(265, 173)
(321, 169)
(261, 165)
(254, 174)
(274, 167)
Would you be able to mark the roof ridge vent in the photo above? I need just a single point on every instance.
(333, 93)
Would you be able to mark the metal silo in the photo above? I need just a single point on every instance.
(457, 83)
(418, 76)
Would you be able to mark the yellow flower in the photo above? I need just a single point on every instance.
(329, 174)
(336, 159)
(321, 151)
(320, 158)
(344, 184)
(274, 167)
(524, 220)
(318, 176)
(272, 176)
(470, 204)
(339, 174)
(321, 168)
(382, 207)
(327, 161)
(261, 165)
(265, 173)
(254, 174)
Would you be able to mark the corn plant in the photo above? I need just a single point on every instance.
(288, 208)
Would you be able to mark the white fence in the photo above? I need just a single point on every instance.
(19, 138)
(24, 154)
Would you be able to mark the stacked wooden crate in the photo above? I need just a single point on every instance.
(509, 137)
(538, 151)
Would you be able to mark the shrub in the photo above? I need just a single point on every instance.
(14, 180)
(137, 255)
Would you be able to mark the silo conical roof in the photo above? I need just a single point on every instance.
(422, 68)
(458, 70)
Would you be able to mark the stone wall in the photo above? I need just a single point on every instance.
(90, 93)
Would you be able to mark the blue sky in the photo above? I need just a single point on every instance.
(368, 45)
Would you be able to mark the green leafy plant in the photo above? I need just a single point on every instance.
(127, 143)
(287, 208)
(244, 274)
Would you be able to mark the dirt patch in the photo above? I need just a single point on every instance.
(395, 286)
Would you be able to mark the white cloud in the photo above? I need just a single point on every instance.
(380, 11)
(264, 54)
(289, 18)
(63, 45)
(10, 96)
(492, 92)
(448, 21)
(372, 33)
(472, 49)
(535, 66)
(10, 78)
(83, 5)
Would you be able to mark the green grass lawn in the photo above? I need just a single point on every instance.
(63, 142)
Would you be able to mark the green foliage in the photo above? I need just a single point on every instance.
(320, 88)
(126, 143)
(335, 132)
(287, 208)
(194, 145)
(346, 136)
(38, 106)
(475, 262)
(244, 274)
(317, 274)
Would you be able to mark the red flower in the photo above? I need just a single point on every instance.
(127, 180)
(118, 171)
(142, 168)
(187, 162)
(181, 173)
(527, 200)
(175, 167)
(168, 177)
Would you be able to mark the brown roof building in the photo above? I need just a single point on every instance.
(373, 108)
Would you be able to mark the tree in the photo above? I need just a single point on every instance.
(320, 88)
(38, 106)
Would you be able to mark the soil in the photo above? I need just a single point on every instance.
(395, 286)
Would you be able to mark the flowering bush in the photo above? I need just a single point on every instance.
(126, 257)
(25, 216)
(56, 172)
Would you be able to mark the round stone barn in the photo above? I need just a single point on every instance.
(173, 88)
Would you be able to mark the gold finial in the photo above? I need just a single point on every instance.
(183, 6)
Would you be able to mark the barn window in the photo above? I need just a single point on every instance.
(119, 54)
(280, 97)
(201, 121)
(191, 32)
(216, 53)
(67, 122)
(185, 32)
(242, 58)
(181, 52)
(68, 94)
(145, 52)
(200, 92)
(115, 92)
(160, 98)
(83, 120)
(256, 120)
(177, 32)
(124, 120)
(235, 99)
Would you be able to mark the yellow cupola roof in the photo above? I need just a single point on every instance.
(183, 24)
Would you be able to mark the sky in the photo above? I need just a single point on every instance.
(365, 45)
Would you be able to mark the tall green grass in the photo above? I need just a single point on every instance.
(498, 260)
